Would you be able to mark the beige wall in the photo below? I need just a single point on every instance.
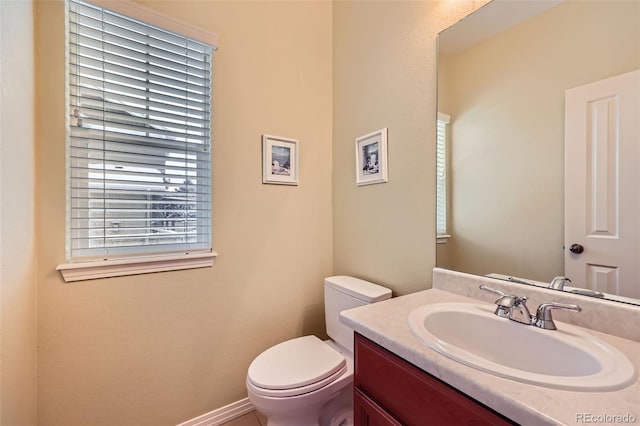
(163, 348)
(18, 290)
(506, 97)
(384, 75)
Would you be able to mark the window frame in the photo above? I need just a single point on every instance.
(442, 140)
(140, 262)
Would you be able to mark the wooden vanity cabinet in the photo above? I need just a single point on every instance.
(388, 391)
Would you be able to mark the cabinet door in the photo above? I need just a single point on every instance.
(412, 396)
(368, 413)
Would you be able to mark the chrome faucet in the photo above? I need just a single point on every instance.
(558, 282)
(510, 306)
(505, 301)
(520, 312)
(543, 314)
(515, 308)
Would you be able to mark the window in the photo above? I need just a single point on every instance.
(441, 178)
(139, 140)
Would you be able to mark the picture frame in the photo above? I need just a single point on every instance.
(279, 160)
(371, 158)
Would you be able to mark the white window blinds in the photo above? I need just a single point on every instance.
(441, 175)
(139, 138)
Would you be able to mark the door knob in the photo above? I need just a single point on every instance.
(576, 248)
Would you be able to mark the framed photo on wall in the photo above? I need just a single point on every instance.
(371, 158)
(279, 160)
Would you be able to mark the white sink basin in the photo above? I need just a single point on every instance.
(567, 358)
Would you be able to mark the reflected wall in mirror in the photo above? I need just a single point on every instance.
(505, 94)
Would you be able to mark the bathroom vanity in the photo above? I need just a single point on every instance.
(391, 391)
(400, 380)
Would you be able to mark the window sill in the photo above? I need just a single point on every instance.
(442, 239)
(117, 268)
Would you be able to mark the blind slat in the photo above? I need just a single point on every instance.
(133, 29)
(137, 77)
(97, 226)
(140, 139)
(149, 121)
(113, 104)
(140, 125)
(118, 88)
(95, 49)
(90, 35)
(80, 158)
(122, 251)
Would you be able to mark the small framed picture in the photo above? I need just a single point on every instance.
(279, 160)
(371, 158)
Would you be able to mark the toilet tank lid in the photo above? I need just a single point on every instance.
(360, 289)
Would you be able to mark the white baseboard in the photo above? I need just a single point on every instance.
(222, 415)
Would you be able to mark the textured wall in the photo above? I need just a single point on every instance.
(163, 348)
(18, 290)
(384, 74)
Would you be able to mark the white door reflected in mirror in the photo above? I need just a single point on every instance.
(602, 200)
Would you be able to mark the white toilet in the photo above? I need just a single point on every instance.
(308, 382)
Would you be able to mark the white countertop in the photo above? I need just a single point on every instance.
(386, 324)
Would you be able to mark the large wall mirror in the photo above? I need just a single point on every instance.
(502, 76)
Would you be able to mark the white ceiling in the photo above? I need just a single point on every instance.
(488, 21)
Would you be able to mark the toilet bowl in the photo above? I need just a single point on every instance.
(301, 397)
(307, 381)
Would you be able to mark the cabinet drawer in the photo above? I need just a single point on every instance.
(368, 413)
(413, 396)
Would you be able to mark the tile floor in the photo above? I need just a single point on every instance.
(250, 419)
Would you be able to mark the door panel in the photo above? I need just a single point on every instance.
(603, 278)
(602, 184)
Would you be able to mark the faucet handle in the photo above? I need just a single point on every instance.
(520, 311)
(505, 301)
(557, 283)
(543, 315)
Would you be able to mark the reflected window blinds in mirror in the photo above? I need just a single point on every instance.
(506, 162)
(441, 178)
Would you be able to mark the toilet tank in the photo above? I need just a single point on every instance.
(341, 293)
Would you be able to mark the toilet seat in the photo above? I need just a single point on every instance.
(295, 367)
(284, 393)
